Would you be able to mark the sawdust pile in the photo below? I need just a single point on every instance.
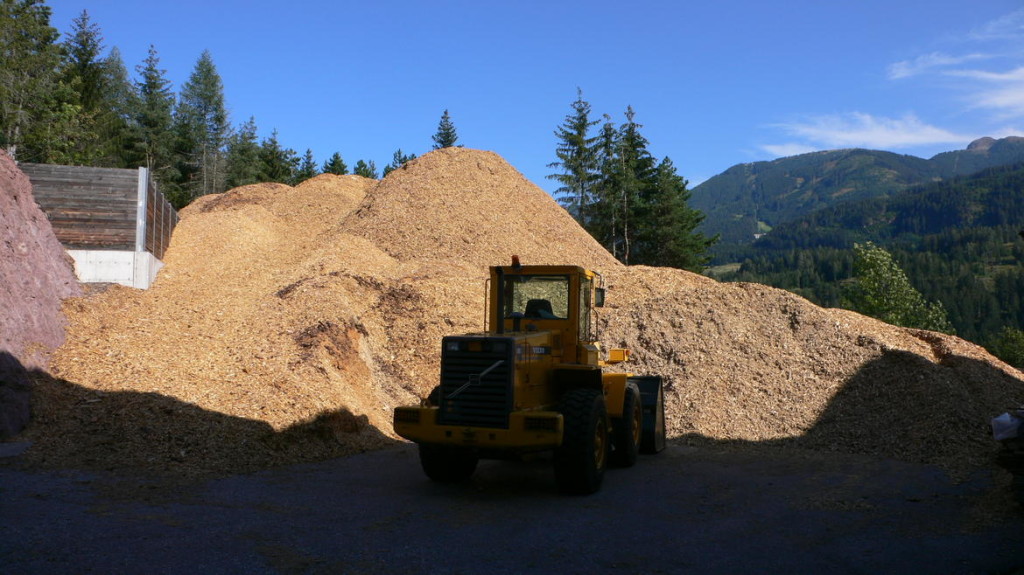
(750, 363)
(288, 322)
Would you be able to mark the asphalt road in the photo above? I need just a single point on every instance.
(686, 510)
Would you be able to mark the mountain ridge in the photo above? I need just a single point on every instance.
(748, 200)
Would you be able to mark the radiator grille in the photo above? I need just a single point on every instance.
(467, 397)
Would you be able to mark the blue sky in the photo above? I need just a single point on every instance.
(713, 83)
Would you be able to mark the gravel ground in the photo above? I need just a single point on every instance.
(708, 509)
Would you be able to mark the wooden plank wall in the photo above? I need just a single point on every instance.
(161, 218)
(97, 208)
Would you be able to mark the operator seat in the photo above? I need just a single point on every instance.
(539, 309)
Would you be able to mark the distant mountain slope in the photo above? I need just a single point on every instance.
(991, 198)
(956, 239)
(750, 199)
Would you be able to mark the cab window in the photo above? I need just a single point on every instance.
(537, 297)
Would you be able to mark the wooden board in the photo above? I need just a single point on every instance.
(97, 208)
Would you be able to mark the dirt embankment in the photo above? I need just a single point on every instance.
(289, 321)
(35, 275)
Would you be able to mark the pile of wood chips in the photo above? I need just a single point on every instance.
(289, 321)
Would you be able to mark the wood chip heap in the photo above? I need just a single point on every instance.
(289, 321)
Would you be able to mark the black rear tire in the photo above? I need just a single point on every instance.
(446, 464)
(628, 429)
(653, 439)
(581, 459)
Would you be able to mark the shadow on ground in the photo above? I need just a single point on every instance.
(148, 433)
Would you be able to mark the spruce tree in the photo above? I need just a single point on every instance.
(85, 73)
(445, 136)
(83, 68)
(365, 169)
(243, 156)
(634, 173)
(397, 161)
(119, 134)
(277, 164)
(602, 219)
(201, 126)
(29, 58)
(335, 165)
(154, 119)
(307, 167)
(668, 236)
(577, 158)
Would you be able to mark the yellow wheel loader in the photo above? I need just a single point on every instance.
(533, 381)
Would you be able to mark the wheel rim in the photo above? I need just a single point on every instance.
(600, 446)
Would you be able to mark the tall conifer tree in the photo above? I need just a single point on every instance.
(335, 165)
(201, 126)
(154, 118)
(398, 159)
(118, 128)
(307, 167)
(446, 135)
(29, 58)
(577, 158)
(243, 156)
(668, 236)
(365, 169)
(277, 164)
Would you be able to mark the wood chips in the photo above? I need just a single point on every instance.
(289, 321)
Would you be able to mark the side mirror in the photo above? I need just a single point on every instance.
(599, 297)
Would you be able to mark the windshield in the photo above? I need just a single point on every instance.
(537, 297)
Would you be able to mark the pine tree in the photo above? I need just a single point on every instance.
(201, 126)
(277, 164)
(668, 236)
(577, 157)
(29, 57)
(84, 66)
(119, 134)
(243, 156)
(365, 169)
(307, 168)
(154, 119)
(633, 173)
(335, 165)
(602, 220)
(445, 136)
(397, 161)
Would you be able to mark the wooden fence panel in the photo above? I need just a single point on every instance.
(97, 208)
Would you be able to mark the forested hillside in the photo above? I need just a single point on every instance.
(957, 240)
(750, 199)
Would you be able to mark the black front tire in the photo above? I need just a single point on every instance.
(446, 464)
(581, 459)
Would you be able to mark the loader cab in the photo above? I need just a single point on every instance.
(555, 299)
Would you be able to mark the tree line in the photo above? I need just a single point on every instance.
(73, 102)
(66, 102)
(635, 206)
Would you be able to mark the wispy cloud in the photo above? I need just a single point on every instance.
(860, 130)
(991, 86)
(1003, 28)
(790, 149)
(928, 63)
(1002, 92)
(978, 71)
